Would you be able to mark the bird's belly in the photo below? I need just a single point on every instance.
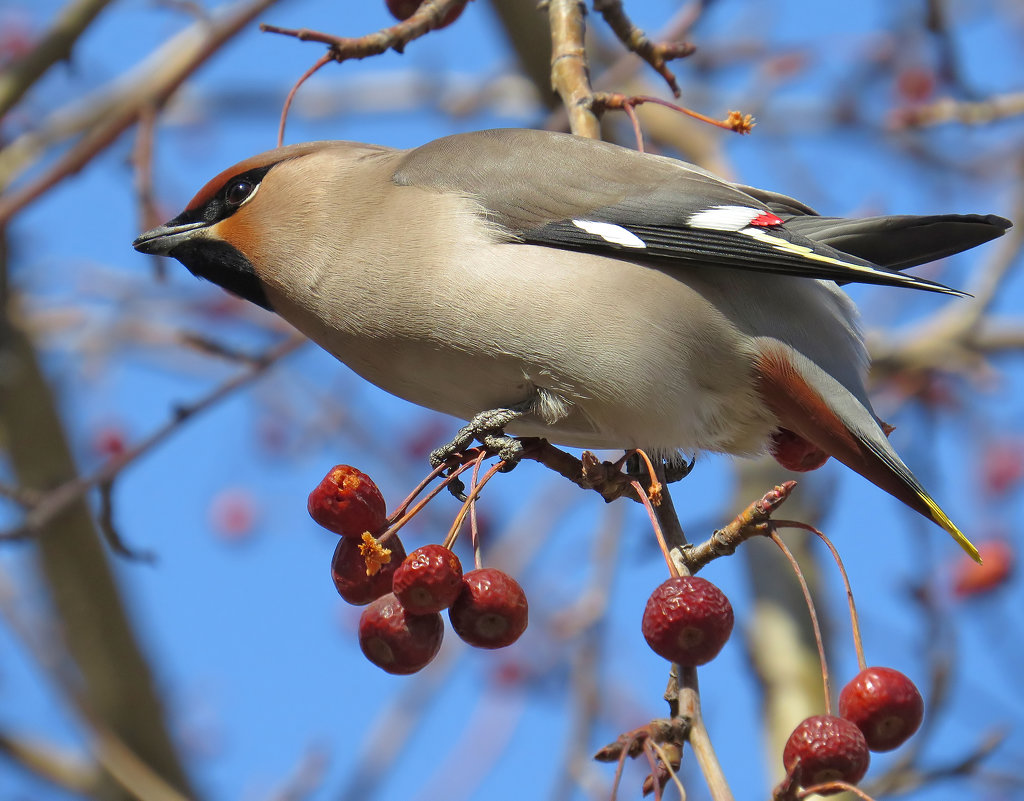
(592, 390)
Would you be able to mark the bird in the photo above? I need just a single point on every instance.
(541, 284)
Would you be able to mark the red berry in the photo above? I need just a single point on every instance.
(396, 641)
(1002, 466)
(348, 503)
(429, 580)
(828, 749)
(998, 561)
(403, 9)
(915, 84)
(109, 441)
(233, 513)
(884, 704)
(491, 610)
(795, 453)
(687, 620)
(348, 569)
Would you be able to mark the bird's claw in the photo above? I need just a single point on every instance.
(489, 428)
(509, 449)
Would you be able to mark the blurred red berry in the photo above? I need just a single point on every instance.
(510, 674)
(396, 641)
(785, 65)
(915, 84)
(687, 620)
(233, 513)
(348, 569)
(403, 9)
(884, 704)
(348, 503)
(999, 559)
(16, 36)
(491, 609)
(828, 749)
(429, 580)
(1002, 466)
(109, 441)
(795, 453)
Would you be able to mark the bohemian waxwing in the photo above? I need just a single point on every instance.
(573, 289)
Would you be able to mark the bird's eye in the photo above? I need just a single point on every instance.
(238, 191)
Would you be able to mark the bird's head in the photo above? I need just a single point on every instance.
(231, 232)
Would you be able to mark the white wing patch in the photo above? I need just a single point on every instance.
(724, 218)
(609, 232)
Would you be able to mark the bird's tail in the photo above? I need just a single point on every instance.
(814, 406)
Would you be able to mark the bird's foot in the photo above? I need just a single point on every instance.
(675, 469)
(489, 428)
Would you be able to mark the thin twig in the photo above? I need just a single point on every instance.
(966, 112)
(753, 521)
(142, 163)
(56, 501)
(637, 41)
(700, 741)
(428, 16)
(105, 521)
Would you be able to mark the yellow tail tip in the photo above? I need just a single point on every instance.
(941, 519)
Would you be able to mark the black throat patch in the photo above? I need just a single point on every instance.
(217, 261)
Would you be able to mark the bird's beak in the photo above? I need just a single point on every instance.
(160, 241)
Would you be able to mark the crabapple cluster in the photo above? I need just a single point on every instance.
(401, 629)
(688, 620)
(879, 709)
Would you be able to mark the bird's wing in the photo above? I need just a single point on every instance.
(552, 189)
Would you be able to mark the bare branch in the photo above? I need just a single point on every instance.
(56, 502)
(55, 45)
(570, 76)
(427, 17)
(967, 112)
(103, 117)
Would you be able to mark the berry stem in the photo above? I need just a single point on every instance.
(474, 491)
(858, 642)
(617, 779)
(814, 616)
(652, 761)
(474, 530)
(400, 521)
(638, 133)
(833, 787)
(404, 505)
(326, 58)
(642, 494)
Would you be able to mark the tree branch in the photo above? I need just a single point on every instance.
(55, 45)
